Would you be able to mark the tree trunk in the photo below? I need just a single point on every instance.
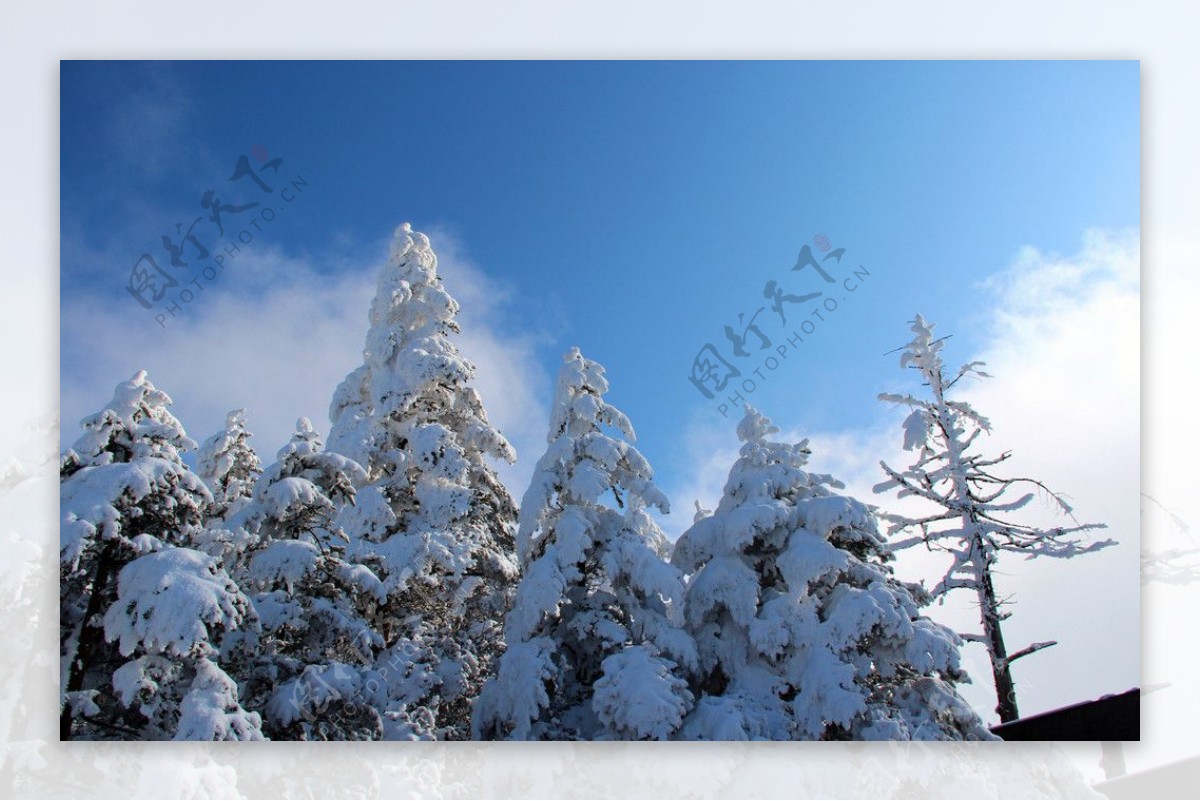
(90, 637)
(1006, 691)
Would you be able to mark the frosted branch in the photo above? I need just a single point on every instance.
(1037, 646)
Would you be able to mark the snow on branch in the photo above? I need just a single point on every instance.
(1037, 646)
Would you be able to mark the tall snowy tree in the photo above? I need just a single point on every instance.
(970, 519)
(229, 465)
(312, 603)
(802, 630)
(594, 638)
(128, 588)
(433, 520)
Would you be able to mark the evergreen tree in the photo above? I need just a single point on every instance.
(803, 632)
(970, 521)
(128, 504)
(303, 668)
(433, 520)
(593, 639)
(229, 465)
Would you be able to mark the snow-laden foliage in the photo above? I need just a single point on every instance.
(173, 602)
(135, 424)
(124, 486)
(638, 696)
(970, 506)
(172, 609)
(432, 520)
(210, 710)
(140, 613)
(229, 465)
(802, 631)
(311, 602)
(594, 636)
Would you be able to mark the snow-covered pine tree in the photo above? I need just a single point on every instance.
(303, 669)
(140, 616)
(434, 522)
(970, 519)
(594, 638)
(229, 465)
(803, 632)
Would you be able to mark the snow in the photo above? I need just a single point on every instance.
(97, 503)
(210, 710)
(520, 691)
(639, 697)
(371, 517)
(140, 679)
(313, 690)
(173, 602)
(288, 493)
(284, 562)
(916, 430)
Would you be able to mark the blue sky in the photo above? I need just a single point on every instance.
(634, 210)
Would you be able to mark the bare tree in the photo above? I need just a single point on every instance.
(971, 521)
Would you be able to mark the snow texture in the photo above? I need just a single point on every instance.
(173, 602)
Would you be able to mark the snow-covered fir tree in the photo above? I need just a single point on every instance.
(302, 667)
(141, 616)
(971, 505)
(594, 639)
(433, 520)
(802, 630)
(229, 465)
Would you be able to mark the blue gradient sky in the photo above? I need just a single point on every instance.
(633, 209)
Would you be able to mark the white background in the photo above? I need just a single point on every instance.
(34, 37)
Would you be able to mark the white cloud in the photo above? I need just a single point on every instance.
(276, 349)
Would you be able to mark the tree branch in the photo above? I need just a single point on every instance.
(1037, 646)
